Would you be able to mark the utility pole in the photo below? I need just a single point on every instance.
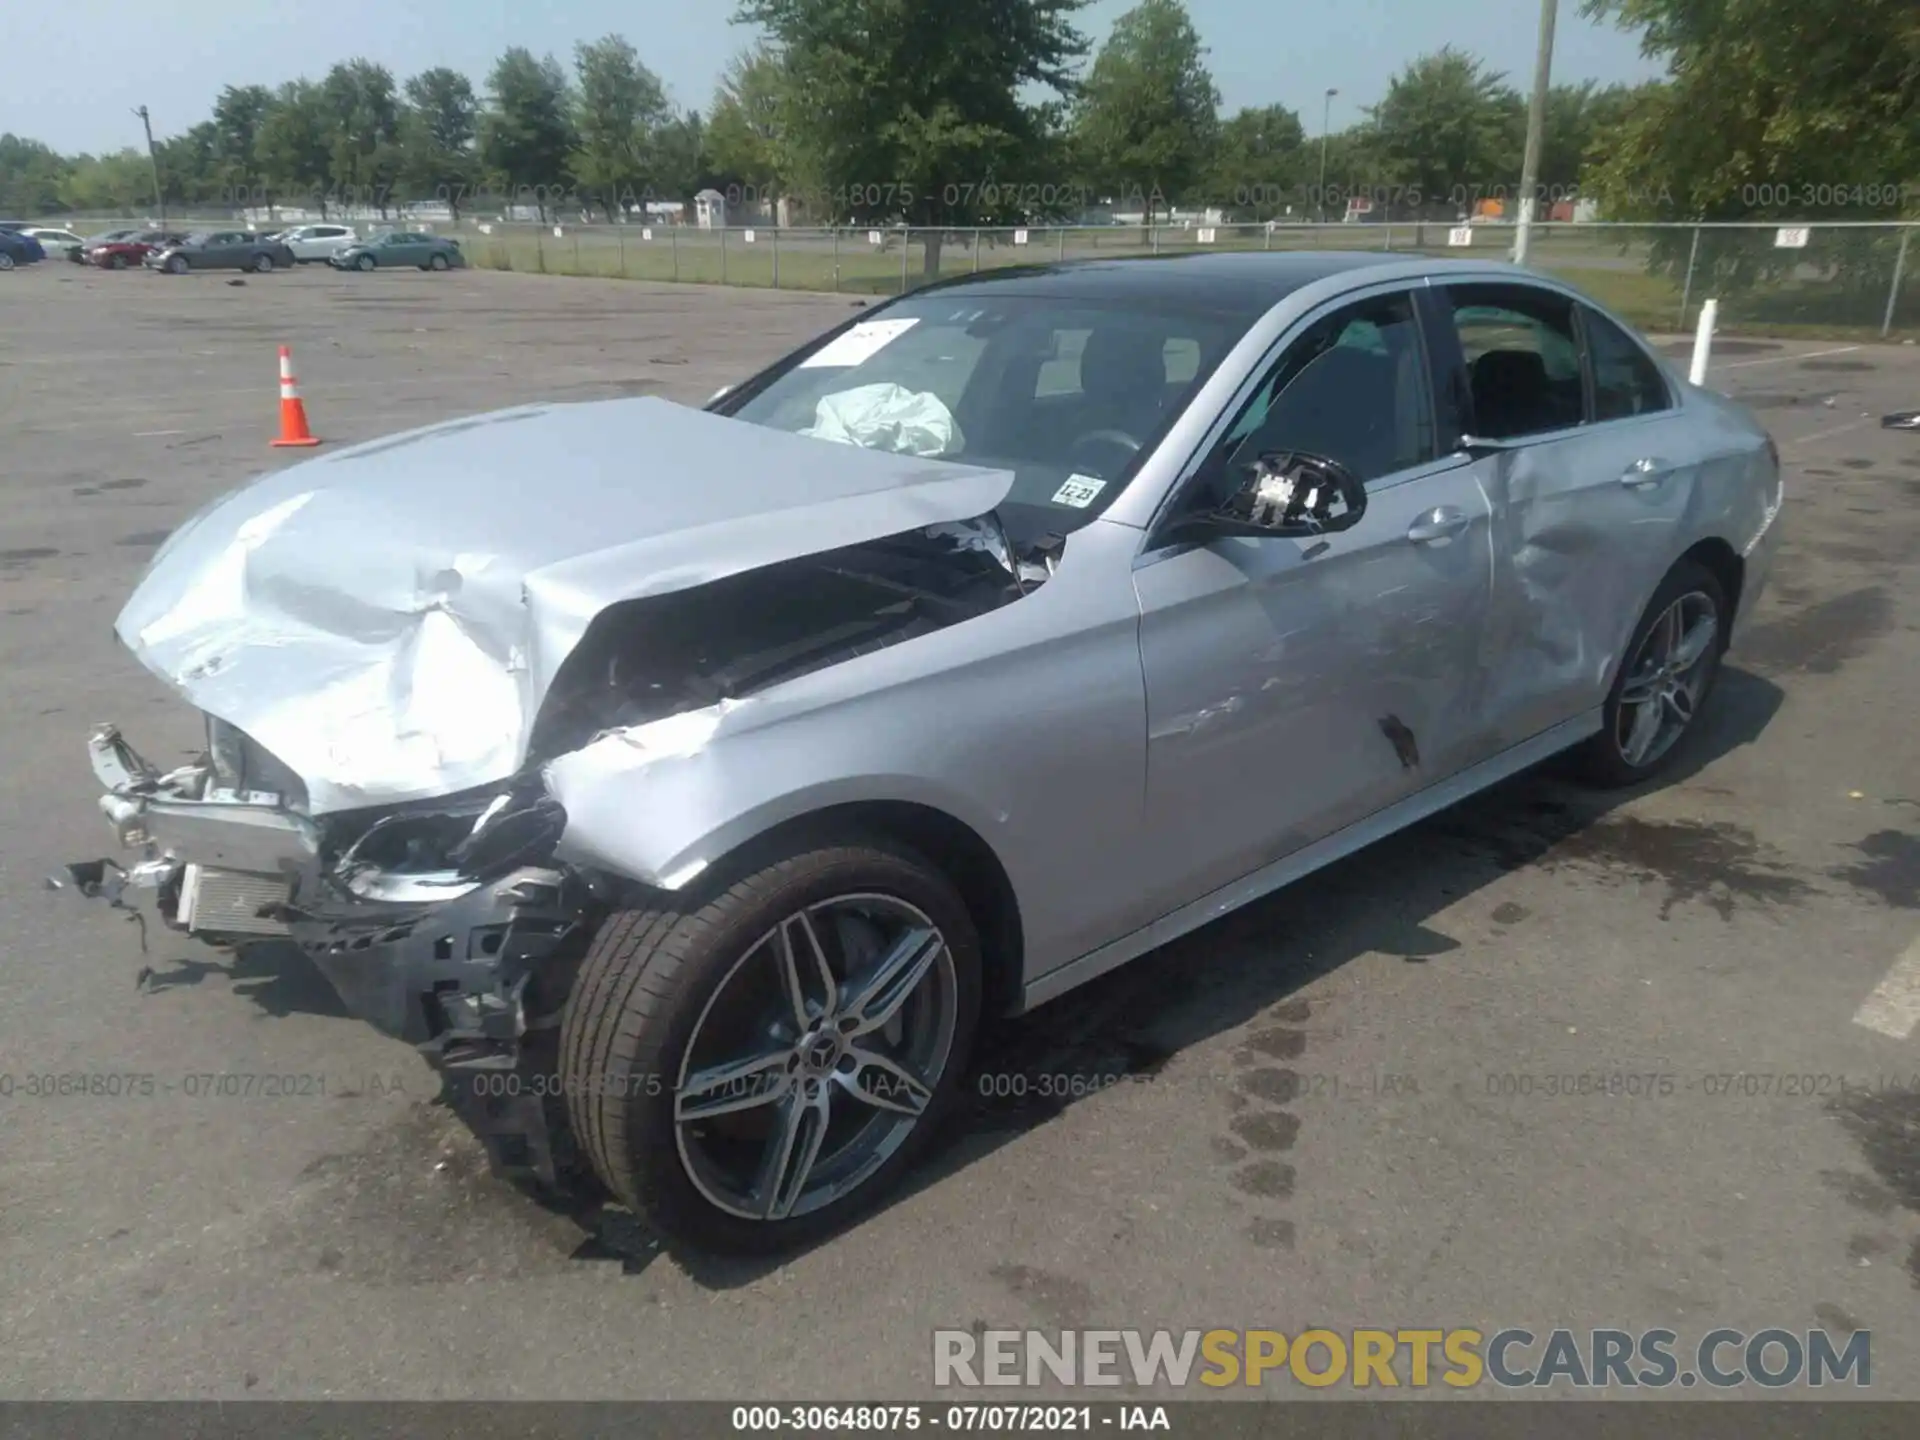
(1326, 112)
(1536, 127)
(153, 162)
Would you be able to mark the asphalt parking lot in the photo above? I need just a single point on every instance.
(1336, 1108)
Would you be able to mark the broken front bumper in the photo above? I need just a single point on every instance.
(472, 971)
(223, 862)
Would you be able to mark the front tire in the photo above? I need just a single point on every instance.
(438, 262)
(176, 265)
(262, 264)
(1667, 674)
(750, 1072)
(364, 262)
(117, 262)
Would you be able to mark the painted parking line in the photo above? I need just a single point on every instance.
(1894, 1006)
(1825, 434)
(1789, 359)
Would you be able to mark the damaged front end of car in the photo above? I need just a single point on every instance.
(382, 725)
(445, 923)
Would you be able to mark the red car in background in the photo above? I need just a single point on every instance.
(131, 249)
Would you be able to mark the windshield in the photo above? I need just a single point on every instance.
(1068, 395)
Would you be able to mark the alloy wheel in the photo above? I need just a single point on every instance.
(1667, 679)
(815, 1057)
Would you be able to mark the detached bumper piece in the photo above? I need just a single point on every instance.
(220, 859)
(475, 984)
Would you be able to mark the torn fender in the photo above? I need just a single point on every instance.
(386, 620)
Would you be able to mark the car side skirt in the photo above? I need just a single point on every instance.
(1305, 861)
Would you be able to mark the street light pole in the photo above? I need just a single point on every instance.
(153, 163)
(1326, 112)
(1536, 127)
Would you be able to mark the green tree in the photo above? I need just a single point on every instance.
(31, 177)
(117, 184)
(620, 107)
(526, 134)
(437, 134)
(1804, 111)
(1261, 161)
(680, 163)
(1148, 120)
(191, 171)
(904, 111)
(362, 111)
(293, 148)
(232, 150)
(1451, 130)
(743, 134)
(1801, 109)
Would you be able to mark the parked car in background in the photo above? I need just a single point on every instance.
(1016, 627)
(18, 249)
(106, 237)
(223, 250)
(55, 242)
(311, 243)
(131, 248)
(401, 247)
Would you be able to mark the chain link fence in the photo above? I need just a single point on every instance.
(1848, 279)
(1857, 279)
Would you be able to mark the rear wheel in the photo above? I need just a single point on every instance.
(1670, 667)
(6, 261)
(117, 262)
(751, 1072)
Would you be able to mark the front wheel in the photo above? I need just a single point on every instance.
(176, 265)
(117, 262)
(364, 262)
(262, 264)
(6, 261)
(1670, 666)
(750, 1072)
(438, 262)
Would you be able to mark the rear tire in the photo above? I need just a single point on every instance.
(1653, 708)
(668, 996)
(117, 262)
(6, 261)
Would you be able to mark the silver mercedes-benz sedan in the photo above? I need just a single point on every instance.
(690, 785)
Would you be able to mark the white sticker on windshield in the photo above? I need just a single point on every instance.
(859, 344)
(1079, 491)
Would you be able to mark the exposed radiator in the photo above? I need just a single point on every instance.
(229, 902)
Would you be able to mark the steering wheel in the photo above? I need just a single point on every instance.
(1117, 438)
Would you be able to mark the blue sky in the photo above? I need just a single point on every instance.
(71, 71)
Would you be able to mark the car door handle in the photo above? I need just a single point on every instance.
(1438, 525)
(1642, 473)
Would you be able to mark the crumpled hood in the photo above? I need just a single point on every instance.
(386, 619)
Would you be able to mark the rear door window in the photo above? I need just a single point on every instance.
(1626, 382)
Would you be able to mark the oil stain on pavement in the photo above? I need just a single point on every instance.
(1821, 638)
(1885, 1123)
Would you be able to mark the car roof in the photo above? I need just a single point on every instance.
(1245, 284)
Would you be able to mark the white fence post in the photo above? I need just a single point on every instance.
(1899, 273)
(1703, 342)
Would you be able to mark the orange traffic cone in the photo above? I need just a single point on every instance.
(293, 413)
